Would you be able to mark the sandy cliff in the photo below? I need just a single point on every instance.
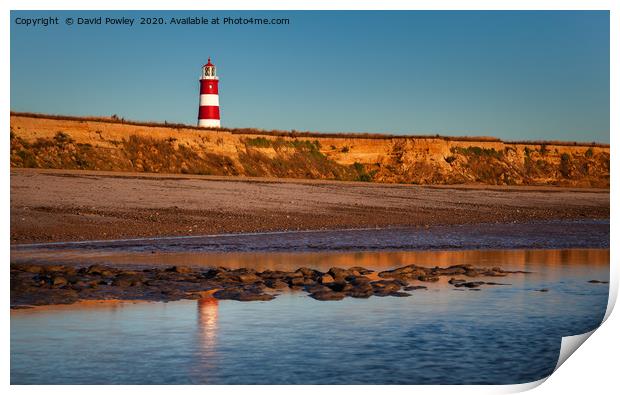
(100, 144)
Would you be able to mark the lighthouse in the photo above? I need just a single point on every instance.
(209, 112)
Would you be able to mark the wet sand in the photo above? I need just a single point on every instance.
(64, 205)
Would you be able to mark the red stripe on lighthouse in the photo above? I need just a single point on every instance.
(209, 112)
(208, 87)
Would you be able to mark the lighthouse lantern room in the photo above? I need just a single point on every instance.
(209, 112)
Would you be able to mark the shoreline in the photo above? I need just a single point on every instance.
(69, 205)
(598, 221)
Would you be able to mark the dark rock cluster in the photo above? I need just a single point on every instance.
(413, 272)
(598, 282)
(58, 284)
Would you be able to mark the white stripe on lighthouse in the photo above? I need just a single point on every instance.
(209, 123)
(209, 100)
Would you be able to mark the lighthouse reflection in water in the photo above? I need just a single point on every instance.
(207, 322)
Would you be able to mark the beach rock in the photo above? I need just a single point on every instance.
(209, 274)
(170, 294)
(167, 275)
(224, 275)
(404, 273)
(60, 296)
(241, 295)
(414, 287)
(275, 284)
(179, 269)
(270, 274)
(327, 295)
(255, 287)
(381, 292)
(290, 275)
(31, 268)
(122, 282)
(358, 280)
(360, 270)
(361, 291)
(59, 281)
(128, 279)
(92, 283)
(247, 278)
(385, 286)
(340, 286)
(306, 272)
(426, 278)
(96, 269)
(55, 268)
(244, 270)
(399, 294)
(493, 273)
(405, 269)
(456, 281)
(362, 286)
(403, 283)
(80, 285)
(317, 288)
(152, 282)
(451, 270)
(42, 279)
(326, 279)
(301, 281)
(392, 274)
(338, 274)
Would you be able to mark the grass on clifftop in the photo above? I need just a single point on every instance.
(295, 133)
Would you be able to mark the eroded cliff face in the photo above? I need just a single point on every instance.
(99, 145)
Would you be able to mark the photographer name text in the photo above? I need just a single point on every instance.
(131, 21)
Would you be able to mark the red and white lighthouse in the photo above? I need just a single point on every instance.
(209, 112)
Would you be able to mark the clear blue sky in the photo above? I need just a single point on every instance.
(514, 75)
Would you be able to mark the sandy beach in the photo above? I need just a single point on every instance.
(63, 205)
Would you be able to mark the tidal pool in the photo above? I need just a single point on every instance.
(498, 335)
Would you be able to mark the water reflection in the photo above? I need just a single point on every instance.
(540, 235)
(499, 335)
(207, 323)
(376, 260)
